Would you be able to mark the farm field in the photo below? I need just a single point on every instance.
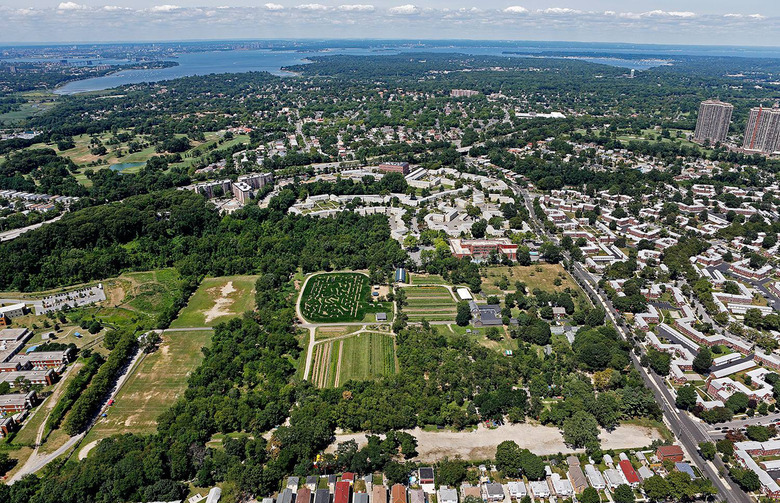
(433, 303)
(217, 300)
(427, 279)
(539, 275)
(364, 356)
(157, 381)
(337, 297)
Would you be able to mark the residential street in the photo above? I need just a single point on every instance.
(688, 431)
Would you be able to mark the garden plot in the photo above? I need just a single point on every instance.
(364, 356)
(433, 303)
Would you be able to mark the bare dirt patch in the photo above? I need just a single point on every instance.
(482, 442)
(222, 302)
(84, 452)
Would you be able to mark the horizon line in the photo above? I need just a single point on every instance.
(363, 39)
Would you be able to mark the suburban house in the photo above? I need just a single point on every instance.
(397, 494)
(445, 495)
(343, 489)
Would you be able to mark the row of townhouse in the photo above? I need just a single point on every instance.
(744, 452)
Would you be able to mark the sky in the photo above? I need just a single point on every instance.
(705, 22)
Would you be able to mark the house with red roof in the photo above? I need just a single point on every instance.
(629, 473)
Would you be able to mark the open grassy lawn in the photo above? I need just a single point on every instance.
(433, 303)
(218, 300)
(337, 297)
(158, 380)
(119, 153)
(478, 335)
(38, 102)
(364, 356)
(539, 275)
(149, 292)
(331, 331)
(651, 135)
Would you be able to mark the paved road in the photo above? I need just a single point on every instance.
(758, 285)
(37, 461)
(15, 233)
(719, 430)
(686, 429)
(183, 329)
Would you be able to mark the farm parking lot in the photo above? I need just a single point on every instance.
(433, 303)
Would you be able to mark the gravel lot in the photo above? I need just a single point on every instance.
(481, 444)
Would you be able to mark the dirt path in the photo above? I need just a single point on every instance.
(338, 365)
(323, 364)
(482, 443)
(309, 352)
(84, 452)
(52, 401)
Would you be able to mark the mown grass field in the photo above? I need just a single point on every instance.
(539, 275)
(433, 303)
(364, 356)
(157, 381)
(217, 300)
(337, 297)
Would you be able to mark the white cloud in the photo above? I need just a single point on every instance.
(115, 8)
(404, 10)
(356, 7)
(71, 6)
(313, 6)
(274, 6)
(516, 9)
(757, 17)
(663, 13)
(560, 10)
(165, 8)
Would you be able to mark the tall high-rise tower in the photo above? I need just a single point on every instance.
(713, 121)
(762, 133)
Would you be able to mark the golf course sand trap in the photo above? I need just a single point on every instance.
(222, 303)
(482, 443)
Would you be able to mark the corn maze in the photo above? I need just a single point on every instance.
(336, 297)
